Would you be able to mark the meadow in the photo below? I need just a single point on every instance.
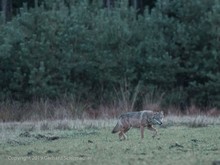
(181, 140)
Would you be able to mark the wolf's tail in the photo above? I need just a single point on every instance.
(116, 128)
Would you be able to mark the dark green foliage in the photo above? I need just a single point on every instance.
(89, 52)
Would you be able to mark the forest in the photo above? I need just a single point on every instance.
(104, 52)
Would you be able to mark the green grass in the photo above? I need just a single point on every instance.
(91, 142)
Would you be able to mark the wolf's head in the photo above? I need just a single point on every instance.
(157, 118)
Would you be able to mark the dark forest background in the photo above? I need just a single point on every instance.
(98, 51)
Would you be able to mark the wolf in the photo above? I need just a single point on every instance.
(141, 119)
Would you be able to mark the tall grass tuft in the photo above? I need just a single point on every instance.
(199, 121)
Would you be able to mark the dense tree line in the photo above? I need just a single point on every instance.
(170, 50)
(11, 7)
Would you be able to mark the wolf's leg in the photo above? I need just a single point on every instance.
(125, 137)
(122, 133)
(151, 128)
(122, 136)
(126, 130)
(142, 132)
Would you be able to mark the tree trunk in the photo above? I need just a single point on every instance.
(6, 9)
(139, 5)
(108, 4)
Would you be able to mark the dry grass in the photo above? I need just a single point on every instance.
(191, 121)
(68, 124)
(72, 109)
(65, 124)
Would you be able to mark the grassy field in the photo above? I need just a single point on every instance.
(188, 141)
